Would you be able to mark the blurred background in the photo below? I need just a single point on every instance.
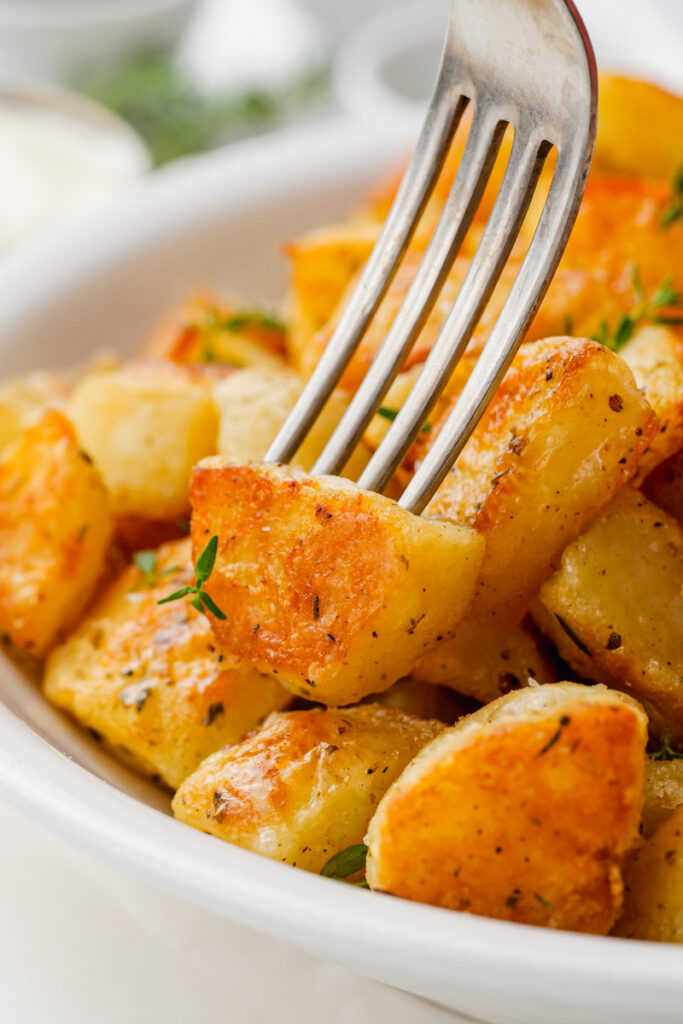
(95, 94)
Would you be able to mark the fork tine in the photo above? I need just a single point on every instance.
(482, 146)
(445, 112)
(518, 185)
(527, 291)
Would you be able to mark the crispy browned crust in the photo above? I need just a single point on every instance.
(55, 529)
(521, 812)
(306, 785)
(336, 589)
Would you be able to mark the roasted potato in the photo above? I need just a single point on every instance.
(425, 700)
(253, 405)
(23, 400)
(640, 128)
(485, 662)
(655, 354)
(563, 433)
(653, 877)
(146, 425)
(306, 785)
(618, 600)
(663, 793)
(337, 590)
(55, 528)
(150, 680)
(522, 811)
(664, 486)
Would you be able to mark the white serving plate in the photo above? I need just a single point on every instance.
(220, 220)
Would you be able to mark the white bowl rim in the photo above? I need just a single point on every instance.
(252, 890)
(41, 15)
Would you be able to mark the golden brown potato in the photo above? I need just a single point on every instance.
(522, 811)
(425, 700)
(663, 793)
(336, 589)
(219, 332)
(486, 662)
(252, 406)
(23, 400)
(618, 600)
(146, 425)
(655, 354)
(640, 128)
(653, 879)
(306, 785)
(564, 432)
(664, 486)
(150, 680)
(55, 528)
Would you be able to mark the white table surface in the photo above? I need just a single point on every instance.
(82, 943)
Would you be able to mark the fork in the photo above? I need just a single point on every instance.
(523, 63)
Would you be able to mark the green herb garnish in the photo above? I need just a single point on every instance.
(391, 414)
(203, 569)
(249, 318)
(674, 208)
(662, 307)
(346, 863)
(146, 561)
(666, 753)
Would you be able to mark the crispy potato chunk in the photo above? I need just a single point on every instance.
(618, 600)
(146, 425)
(663, 793)
(485, 663)
(218, 332)
(522, 811)
(253, 405)
(640, 128)
(563, 433)
(416, 697)
(306, 785)
(655, 354)
(664, 486)
(55, 529)
(23, 400)
(149, 679)
(336, 589)
(653, 877)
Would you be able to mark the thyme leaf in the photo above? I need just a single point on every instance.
(146, 562)
(666, 753)
(391, 414)
(203, 569)
(347, 862)
(663, 306)
(674, 208)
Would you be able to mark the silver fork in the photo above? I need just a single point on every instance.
(524, 63)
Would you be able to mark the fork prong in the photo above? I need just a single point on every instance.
(527, 291)
(445, 112)
(518, 185)
(465, 195)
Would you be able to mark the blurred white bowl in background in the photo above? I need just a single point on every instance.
(55, 38)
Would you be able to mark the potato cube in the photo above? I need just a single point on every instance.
(55, 529)
(640, 127)
(485, 662)
(618, 600)
(253, 405)
(663, 793)
(563, 433)
(337, 590)
(306, 785)
(653, 877)
(521, 811)
(23, 400)
(149, 679)
(146, 426)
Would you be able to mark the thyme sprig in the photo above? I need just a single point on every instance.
(146, 562)
(663, 306)
(674, 208)
(203, 569)
(346, 863)
(666, 753)
(390, 414)
(248, 318)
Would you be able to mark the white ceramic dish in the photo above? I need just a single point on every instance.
(221, 220)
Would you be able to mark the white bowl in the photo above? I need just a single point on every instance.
(57, 38)
(221, 220)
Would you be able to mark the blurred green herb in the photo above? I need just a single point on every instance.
(674, 208)
(666, 753)
(346, 863)
(390, 414)
(146, 562)
(663, 306)
(155, 96)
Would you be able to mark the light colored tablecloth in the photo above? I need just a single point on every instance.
(82, 943)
